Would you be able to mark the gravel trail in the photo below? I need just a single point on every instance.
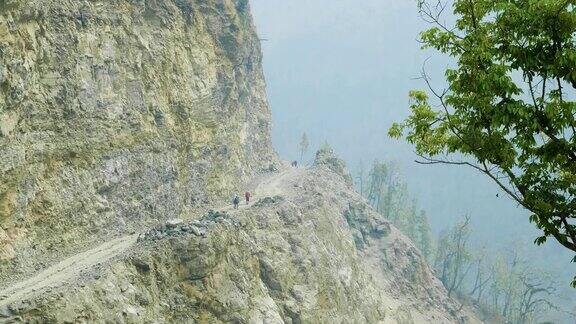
(64, 272)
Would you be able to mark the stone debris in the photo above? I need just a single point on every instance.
(173, 222)
(177, 227)
(268, 201)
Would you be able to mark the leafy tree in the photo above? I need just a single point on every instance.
(303, 146)
(388, 194)
(377, 184)
(424, 235)
(508, 108)
(407, 213)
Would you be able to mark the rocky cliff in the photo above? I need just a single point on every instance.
(117, 114)
(309, 250)
(123, 126)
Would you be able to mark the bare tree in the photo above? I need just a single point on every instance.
(360, 178)
(303, 146)
(482, 277)
(453, 256)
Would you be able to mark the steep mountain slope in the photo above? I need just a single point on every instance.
(119, 117)
(115, 114)
(309, 250)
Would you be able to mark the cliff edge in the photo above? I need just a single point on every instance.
(307, 250)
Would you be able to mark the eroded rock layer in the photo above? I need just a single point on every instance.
(115, 114)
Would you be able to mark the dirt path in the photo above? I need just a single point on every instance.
(273, 186)
(64, 272)
(60, 273)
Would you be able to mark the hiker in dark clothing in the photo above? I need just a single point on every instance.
(247, 195)
(236, 201)
(294, 163)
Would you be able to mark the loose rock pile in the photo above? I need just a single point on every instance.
(177, 227)
(267, 201)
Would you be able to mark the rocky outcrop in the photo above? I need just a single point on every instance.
(315, 254)
(115, 115)
(325, 157)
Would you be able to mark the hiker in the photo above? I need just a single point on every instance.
(294, 163)
(236, 201)
(247, 195)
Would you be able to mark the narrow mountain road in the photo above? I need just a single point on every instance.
(58, 274)
(63, 273)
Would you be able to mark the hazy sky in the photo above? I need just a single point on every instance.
(340, 70)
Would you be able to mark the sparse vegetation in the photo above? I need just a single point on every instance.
(501, 286)
(388, 194)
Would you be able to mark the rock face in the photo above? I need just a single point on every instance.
(129, 119)
(315, 254)
(326, 157)
(115, 114)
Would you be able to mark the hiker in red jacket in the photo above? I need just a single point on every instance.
(247, 195)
